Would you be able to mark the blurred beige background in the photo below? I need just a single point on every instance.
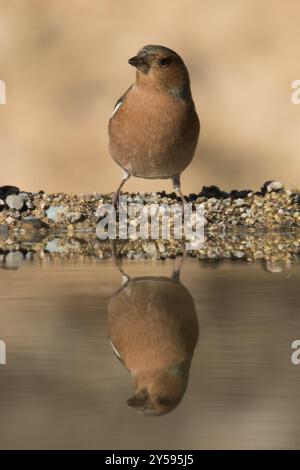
(65, 65)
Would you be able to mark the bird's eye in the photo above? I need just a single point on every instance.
(165, 61)
(165, 401)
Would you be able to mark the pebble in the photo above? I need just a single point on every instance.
(14, 202)
(238, 254)
(14, 259)
(9, 220)
(32, 223)
(73, 217)
(239, 202)
(29, 204)
(3, 232)
(55, 246)
(274, 186)
(24, 196)
(150, 249)
(54, 211)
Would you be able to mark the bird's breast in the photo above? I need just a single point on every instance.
(153, 135)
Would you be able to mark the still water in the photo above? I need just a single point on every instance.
(211, 355)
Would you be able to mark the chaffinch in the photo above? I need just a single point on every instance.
(153, 328)
(154, 126)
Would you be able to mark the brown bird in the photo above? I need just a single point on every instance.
(154, 126)
(153, 327)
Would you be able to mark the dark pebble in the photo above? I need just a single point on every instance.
(239, 194)
(172, 195)
(296, 199)
(264, 188)
(7, 191)
(192, 197)
(213, 191)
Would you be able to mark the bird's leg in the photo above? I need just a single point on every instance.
(118, 262)
(177, 268)
(177, 187)
(115, 197)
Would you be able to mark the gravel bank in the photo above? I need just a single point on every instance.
(240, 225)
(273, 207)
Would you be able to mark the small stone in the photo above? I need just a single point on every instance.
(296, 199)
(150, 249)
(239, 254)
(24, 196)
(274, 186)
(138, 255)
(55, 246)
(274, 267)
(9, 220)
(73, 217)
(161, 247)
(32, 223)
(212, 201)
(239, 202)
(14, 259)
(54, 211)
(29, 204)
(137, 199)
(14, 201)
(3, 232)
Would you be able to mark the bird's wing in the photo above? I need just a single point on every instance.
(120, 102)
(117, 354)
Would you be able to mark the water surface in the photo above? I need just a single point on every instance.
(64, 387)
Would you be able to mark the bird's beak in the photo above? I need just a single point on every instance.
(140, 62)
(134, 61)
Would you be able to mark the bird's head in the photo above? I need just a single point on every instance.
(159, 392)
(160, 67)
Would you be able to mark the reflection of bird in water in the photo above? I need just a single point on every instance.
(153, 327)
